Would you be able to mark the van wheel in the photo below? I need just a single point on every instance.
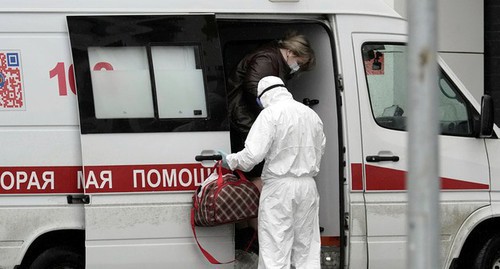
(59, 258)
(489, 255)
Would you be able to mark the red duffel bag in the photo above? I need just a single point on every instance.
(225, 199)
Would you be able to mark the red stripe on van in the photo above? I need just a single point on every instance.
(381, 178)
(145, 178)
(102, 179)
(40, 180)
(453, 184)
(357, 177)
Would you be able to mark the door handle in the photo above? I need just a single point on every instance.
(376, 158)
(214, 157)
(78, 199)
(310, 102)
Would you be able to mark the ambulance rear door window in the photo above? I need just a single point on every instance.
(121, 89)
(179, 82)
(148, 73)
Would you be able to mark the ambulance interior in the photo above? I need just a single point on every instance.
(240, 37)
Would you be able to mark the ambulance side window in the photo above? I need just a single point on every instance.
(148, 73)
(122, 87)
(121, 82)
(179, 82)
(385, 70)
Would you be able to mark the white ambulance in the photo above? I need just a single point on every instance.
(103, 179)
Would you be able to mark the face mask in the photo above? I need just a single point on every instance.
(259, 103)
(295, 67)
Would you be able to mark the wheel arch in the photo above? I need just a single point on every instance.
(474, 232)
(68, 237)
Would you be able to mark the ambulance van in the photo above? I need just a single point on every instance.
(105, 105)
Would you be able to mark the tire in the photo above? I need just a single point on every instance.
(489, 255)
(59, 258)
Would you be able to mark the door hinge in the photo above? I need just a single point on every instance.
(340, 82)
(346, 221)
(78, 199)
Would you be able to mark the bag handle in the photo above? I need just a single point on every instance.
(219, 171)
(207, 255)
(218, 164)
(241, 175)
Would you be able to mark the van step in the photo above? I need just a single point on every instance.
(330, 259)
(245, 260)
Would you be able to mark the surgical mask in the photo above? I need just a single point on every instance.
(259, 103)
(295, 67)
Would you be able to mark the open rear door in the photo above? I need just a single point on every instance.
(151, 96)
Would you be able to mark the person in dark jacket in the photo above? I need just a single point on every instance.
(281, 58)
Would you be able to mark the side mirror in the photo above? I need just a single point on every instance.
(486, 118)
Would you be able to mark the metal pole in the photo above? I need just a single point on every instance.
(423, 181)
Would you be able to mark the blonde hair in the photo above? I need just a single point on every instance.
(299, 45)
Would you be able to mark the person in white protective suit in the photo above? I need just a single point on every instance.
(289, 136)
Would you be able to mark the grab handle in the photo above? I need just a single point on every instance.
(376, 158)
(215, 157)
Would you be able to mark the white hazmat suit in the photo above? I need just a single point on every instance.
(289, 136)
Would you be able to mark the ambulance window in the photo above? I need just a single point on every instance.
(121, 82)
(179, 84)
(385, 70)
(148, 73)
(452, 111)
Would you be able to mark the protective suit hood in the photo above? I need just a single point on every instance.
(271, 90)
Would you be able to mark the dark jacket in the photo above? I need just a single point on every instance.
(242, 86)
